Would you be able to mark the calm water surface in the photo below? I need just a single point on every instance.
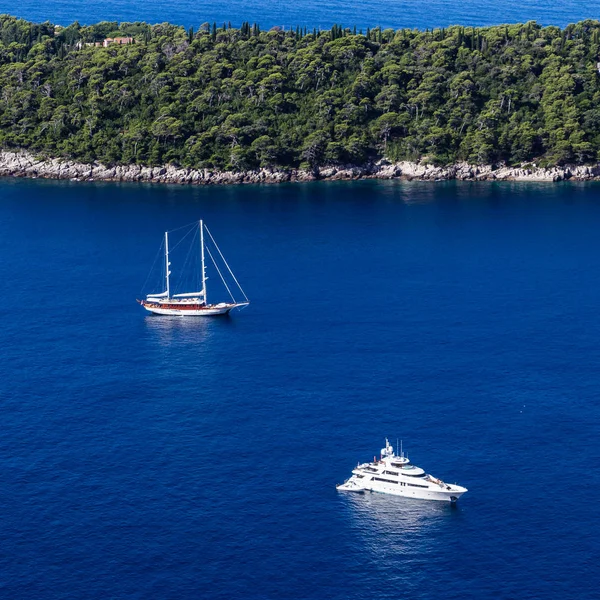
(387, 13)
(148, 457)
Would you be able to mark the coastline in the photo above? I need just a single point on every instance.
(28, 165)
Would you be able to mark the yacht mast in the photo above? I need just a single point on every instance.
(202, 261)
(167, 263)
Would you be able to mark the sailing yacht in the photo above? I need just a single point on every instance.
(393, 474)
(194, 304)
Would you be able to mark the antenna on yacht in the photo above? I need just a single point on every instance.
(401, 453)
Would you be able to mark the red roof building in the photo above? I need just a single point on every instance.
(117, 40)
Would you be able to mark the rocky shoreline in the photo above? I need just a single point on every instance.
(25, 164)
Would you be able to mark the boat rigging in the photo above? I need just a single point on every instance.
(196, 304)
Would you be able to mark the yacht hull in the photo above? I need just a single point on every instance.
(430, 494)
(204, 311)
(440, 496)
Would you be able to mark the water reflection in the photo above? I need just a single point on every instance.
(183, 330)
(400, 525)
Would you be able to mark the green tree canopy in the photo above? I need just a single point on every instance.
(218, 97)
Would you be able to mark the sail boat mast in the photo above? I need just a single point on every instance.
(193, 303)
(167, 263)
(202, 267)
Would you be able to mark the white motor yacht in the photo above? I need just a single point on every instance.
(393, 474)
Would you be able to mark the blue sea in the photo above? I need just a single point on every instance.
(150, 457)
(310, 13)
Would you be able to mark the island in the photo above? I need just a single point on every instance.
(220, 104)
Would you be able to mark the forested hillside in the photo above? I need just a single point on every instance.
(237, 99)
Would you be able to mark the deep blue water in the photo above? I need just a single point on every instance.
(312, 13)
(148, 457)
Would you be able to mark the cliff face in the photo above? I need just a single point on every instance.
(25, 164)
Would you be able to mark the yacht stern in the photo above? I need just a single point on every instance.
(351, 485)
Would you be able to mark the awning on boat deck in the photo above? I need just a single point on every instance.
(189, 295)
